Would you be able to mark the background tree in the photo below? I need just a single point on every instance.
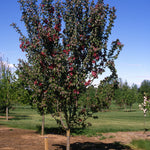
(118, 98)
(6, 88)
(88, 98)
(145, 88)
(21, 91)
(126, 95)
(105, 94)
(140, 97)
(136, 95)
(130, 97)
(66, 50)
(121, 94)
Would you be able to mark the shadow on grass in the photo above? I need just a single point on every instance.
(61, 131)
(95, 146)
(19, 117)
(52, 130)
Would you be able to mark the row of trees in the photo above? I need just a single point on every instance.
(120, 93)
(128, 95)
(13, 90)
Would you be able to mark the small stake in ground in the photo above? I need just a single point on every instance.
(46, 143)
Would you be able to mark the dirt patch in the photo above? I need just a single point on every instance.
(19, 139)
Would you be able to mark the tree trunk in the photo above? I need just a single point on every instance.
(130, 108)
(125, 106)
(76, 103)
(67, 132)
(7, 113)
(68, 139)
(43, 123)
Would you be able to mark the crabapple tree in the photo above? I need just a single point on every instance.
(66, 49)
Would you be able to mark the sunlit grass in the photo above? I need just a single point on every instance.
(26, 118)
(110, 121)
(141, 144)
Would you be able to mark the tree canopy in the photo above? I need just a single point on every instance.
(66, 49)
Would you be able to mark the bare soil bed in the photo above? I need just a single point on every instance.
(20, 139)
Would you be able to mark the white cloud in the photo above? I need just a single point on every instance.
(2, 58)
(11, 66)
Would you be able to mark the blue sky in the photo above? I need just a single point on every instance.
(132, 27)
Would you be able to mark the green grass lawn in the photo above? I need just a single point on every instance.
(141, 144)
(26, 118)
(110, 121)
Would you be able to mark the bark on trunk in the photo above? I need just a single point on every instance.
(43, 123)
(7, 113)
(125, 106)
(68, 139)
(131, 108)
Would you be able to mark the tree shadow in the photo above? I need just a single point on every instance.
(59, 130)
(94, 146)
(52, 130)
(19, 117)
